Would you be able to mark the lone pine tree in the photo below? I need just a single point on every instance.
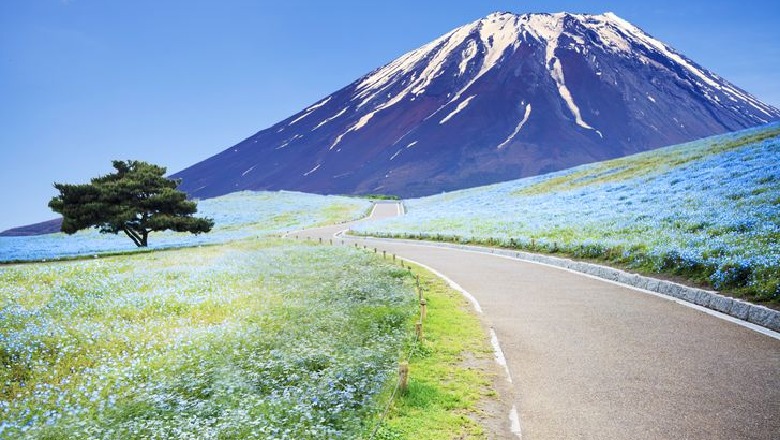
(137, 199)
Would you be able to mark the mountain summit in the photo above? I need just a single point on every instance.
(504, 97)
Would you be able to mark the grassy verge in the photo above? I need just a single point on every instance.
(449, 372)
(376, 196)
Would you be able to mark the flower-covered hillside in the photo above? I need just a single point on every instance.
(708, 210)
(235, 215)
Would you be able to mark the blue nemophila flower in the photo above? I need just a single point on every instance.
(236, 216)
(718, 213)
(190, 344)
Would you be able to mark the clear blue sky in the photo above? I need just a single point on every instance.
(83, 82)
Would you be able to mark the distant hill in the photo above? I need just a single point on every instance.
(504, 97)
(47, 227)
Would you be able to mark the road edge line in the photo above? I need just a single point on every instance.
(515, 426)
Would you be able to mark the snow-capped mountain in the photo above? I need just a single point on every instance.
(504, 97)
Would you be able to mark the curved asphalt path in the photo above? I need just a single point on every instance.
(591, 359)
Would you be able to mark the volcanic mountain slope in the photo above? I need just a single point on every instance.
(504, 97)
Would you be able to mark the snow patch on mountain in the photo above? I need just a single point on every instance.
(468, 54)
(458, 109)
(358, 125)
(518, 128)
(373, 84)
(316, 167)
(249, 170)
(436, 65)
(610, 37)
(632, 32)
(377, 82)
(319, 104)
(298, 119)
(498, 33)
(341, 113)
(557, 74)
(309, 110)
(549, 28)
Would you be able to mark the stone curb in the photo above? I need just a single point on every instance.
(734, 307)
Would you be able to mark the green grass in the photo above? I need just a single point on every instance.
(449, 373)
(377, 196)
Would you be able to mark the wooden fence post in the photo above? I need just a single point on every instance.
(403, 377)
(422, 309)
(418, 328)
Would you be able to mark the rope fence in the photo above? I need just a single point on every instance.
(402, 383)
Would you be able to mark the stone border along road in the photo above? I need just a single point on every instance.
(763, 317)
(590, 358)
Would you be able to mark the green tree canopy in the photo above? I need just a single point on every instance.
(137, 199)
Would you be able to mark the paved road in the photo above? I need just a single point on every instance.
(591, 359)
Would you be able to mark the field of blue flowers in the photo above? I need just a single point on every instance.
(252, 339)
(708, 210)
(237, 215)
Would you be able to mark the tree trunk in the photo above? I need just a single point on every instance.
(139, 240)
